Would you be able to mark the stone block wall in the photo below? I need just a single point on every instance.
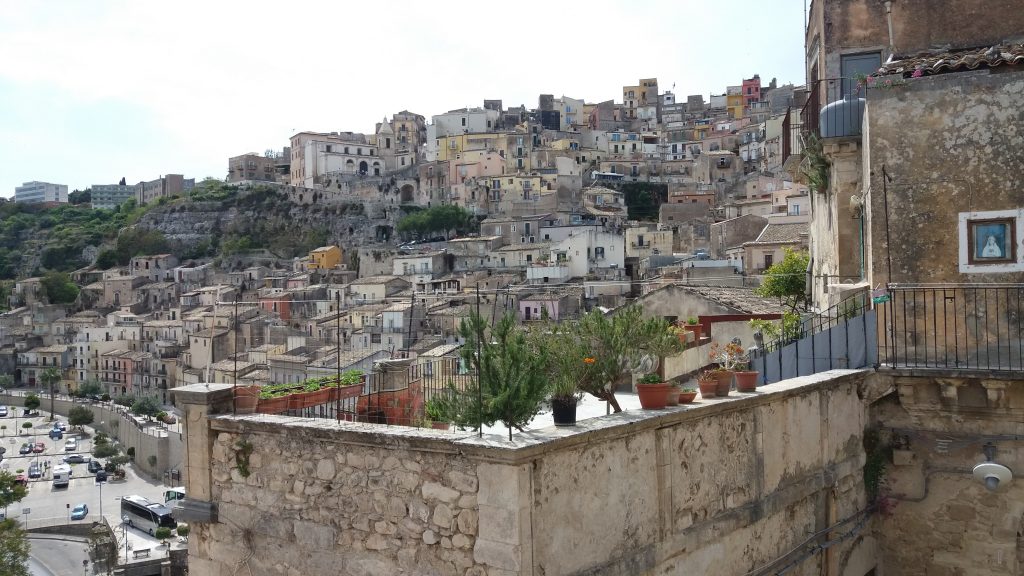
(721, 487)
(943, 520)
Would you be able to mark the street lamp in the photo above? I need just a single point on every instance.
(124, 527)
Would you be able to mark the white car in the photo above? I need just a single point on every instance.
(71, 445)
(3, 411)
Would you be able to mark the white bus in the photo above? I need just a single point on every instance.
(145, 515)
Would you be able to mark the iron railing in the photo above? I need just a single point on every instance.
(833, 317)
(966, 327)
(821, 93)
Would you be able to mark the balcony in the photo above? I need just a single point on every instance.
(820, 94)
(952, 327)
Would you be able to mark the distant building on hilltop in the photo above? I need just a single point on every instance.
(35, 192)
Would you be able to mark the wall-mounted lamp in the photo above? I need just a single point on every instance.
(991, 474)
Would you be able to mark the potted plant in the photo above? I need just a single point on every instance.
(246, 399)
(746, 379)
(728, 358)
(693, 325)
(434, 409)
(162, 534)
(680, 333)
(653, 391)
(673, 394)
(274, 398)
(688, 394)
(708, 384)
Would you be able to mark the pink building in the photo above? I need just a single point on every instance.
(751, 90)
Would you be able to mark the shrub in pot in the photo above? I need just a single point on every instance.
(708, 384)
(746, 379)
(653, 392)
(693, 325)
(687, 395)
(434, 410)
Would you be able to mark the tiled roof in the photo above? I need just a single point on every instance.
(783, 233)
(743, 300)
(956, 60)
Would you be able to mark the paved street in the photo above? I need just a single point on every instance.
(58, 556)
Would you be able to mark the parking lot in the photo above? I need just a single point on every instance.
(48, 505)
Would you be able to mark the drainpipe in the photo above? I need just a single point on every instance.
(888, 16)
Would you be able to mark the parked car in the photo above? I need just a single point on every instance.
(21, 479)
(56, 434)
(95, 466)
(79, 512)
(101, 476)
(35, 470)
(26, 448)
(75, 459)
(71, 445)
(61, 426)
(3, 411)
(39, 447)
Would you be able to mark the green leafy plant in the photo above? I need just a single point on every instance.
(162, 533)
(243, 450)
(650, 379)
(815, 165)
(689, 389)
(692, 321)
(435, 410)
(26, 425)
(183, 530)
(32, 402)
(146, 406)
(80, 416)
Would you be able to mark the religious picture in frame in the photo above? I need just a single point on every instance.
(992, 241)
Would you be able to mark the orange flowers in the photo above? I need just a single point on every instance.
(589, 360)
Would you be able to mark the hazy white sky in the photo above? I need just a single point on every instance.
(93, 91)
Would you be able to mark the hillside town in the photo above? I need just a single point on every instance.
(489, 358)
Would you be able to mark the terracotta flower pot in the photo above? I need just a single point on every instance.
(272, 405)
(696, 329)
(708, 388)
(724, 379)
(687, 397)
(673, 396)
(653, 396)
(746, 381)
(246, 399)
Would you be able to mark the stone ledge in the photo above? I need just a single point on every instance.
(527, 446)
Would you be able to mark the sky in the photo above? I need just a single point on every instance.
(91, 92)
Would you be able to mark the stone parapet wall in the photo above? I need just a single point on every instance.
(721, 487)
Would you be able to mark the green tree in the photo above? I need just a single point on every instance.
(80, 416)
(621, 344)
(787, 280)
(58, 288)
(32, 402)
(437, 220)
(106, 259)
(145, 406)
(91, 387)
(511, 382)
(105, 450)
(80, 196)
(14, 549)
(6, 381)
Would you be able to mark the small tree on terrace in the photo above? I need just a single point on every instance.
(511, 380)
(617, 346)
(50, 377)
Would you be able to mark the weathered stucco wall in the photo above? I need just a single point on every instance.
(944, 521)
(720, 487)
(951, 144)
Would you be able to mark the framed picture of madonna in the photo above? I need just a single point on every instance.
(992, 241)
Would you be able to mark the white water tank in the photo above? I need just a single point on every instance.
(842, 118)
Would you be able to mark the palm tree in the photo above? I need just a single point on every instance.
(50, 376)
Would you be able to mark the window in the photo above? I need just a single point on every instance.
(463, 120)
(346, 149)
(599, 252)
(529, 257)
(328, 147)
(768, 261)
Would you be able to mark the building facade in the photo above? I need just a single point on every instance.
(35, 192)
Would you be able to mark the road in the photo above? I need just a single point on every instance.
(57, 556)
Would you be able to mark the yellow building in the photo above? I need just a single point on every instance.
(324, 258)
(734, 101)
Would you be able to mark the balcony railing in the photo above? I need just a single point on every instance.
(820, 94)
(962, 327)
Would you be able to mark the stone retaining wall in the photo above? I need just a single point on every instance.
(721, 487)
